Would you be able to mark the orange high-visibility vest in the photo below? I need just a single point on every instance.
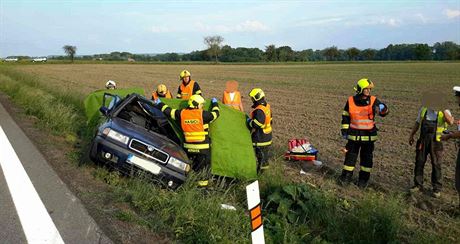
(267, 126)
(361, 117)
(155, 95)
(235, 103)
(186, 91)
(192, 125)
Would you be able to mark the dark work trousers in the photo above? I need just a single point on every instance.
(365, 150)
(201, 159)
(262, 155)
(427, 145)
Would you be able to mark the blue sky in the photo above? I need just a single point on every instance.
(38, 28)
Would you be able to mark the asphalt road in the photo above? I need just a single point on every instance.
(35, 204)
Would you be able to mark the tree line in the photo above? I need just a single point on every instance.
(224, 53)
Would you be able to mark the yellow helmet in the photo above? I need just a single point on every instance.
(161, 89)
(195, 100)
(362, 84)
(256, 94)
(183, 74)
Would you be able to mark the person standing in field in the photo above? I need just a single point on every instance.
(260, 124)
(232, 96)
(432, 123)
(358, 127)
(194, 122)
(456, 135)
(188, 87)
(161, 92)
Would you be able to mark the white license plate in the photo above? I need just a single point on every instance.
(144, 164)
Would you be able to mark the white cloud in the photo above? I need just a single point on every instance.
(246, 26)
(321, 21)
(391, 22)
(161, 29)
(421, 18)
(452, 13)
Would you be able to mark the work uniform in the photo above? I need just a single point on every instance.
(432, 124)
(186, 91)
(155, 95)
(232, 99)
(194, 124)
(260, 124)
(358, 126)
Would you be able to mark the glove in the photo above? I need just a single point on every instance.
(381, 108)
(157, 101)
(213, 100)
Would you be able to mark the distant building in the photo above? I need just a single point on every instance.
(131, 60)
(11, 59)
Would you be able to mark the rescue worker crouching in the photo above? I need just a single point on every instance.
(194, 122)
(358, 127)
(161, 92)
(432, 123)
(260, 124)
(188, 87)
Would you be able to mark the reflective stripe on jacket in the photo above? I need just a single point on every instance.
(441, 124)
(361, 117)
(192, 125)
(266, 125)
(186, 91)
(235, 103)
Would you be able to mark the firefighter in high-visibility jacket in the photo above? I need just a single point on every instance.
(358, 127)
(260, 124)
(161, 92)
(194, 122)
(232, 97)
(187, 87)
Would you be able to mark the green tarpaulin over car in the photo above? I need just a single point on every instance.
(232, 154)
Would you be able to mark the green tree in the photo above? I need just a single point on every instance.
(70, 51)
(352, 53)
(331, 53)
(368, 54)
(270, 53)
(285, 53)
(214, 44)
(422, 52)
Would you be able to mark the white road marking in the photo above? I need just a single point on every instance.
(37, 224)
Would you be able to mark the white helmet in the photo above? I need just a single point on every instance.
(111, 84)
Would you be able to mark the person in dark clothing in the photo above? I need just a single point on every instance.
(456, 135)
(358, 127)
(194, 122)
(260, 124)
(431, 123)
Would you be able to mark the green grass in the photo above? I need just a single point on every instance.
(292, 212)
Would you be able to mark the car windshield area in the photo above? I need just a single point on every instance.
(141, 112)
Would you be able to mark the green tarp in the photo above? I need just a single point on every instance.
(93, 101)
(232, 154)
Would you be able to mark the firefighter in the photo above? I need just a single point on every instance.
(456, 135)
(232, 96)
(432, 123)
(188, 87)
(194, 122)
(110, 85)
(358, 127)
(260, 124)
(161, 92)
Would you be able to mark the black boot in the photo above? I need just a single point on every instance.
(363, 179)
(345, 178)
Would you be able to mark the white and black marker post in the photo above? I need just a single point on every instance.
(255, 210)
